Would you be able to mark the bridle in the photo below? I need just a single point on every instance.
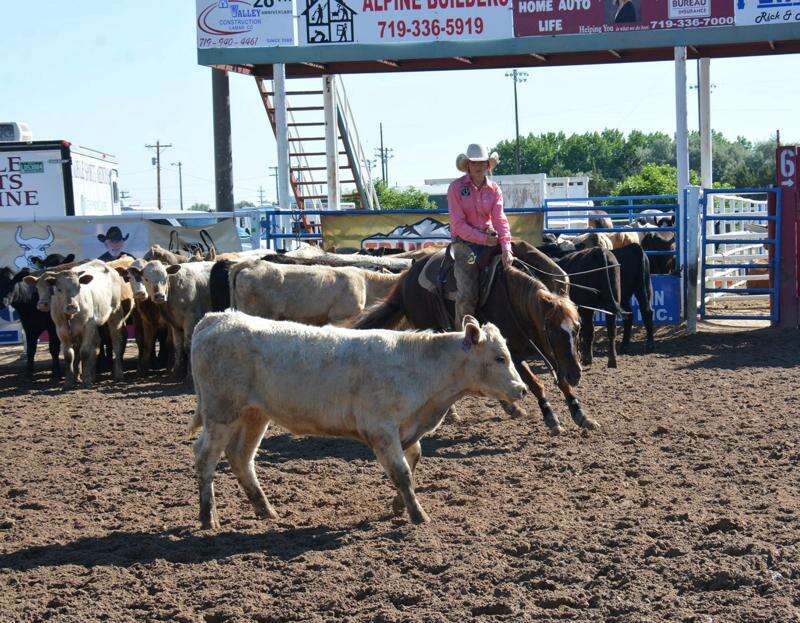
(553, 366)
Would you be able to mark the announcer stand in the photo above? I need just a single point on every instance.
(788, 248)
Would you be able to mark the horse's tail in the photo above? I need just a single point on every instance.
(613, 292)
(387, 313)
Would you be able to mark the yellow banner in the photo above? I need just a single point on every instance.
(353, 232)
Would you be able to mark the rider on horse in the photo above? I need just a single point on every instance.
(477, 224)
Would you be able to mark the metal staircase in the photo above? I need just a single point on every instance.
(307, 155)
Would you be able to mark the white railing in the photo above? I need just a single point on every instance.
(722, 253)
(361, 172)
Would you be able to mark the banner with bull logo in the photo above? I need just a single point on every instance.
(106, 239)
(353, 232)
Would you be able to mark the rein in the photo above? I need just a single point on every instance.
(525, 334)
(580, 272)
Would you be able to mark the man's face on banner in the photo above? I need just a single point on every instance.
(115, 247)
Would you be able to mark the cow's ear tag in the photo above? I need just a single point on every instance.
(466, 344)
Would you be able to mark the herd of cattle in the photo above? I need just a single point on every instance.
(177, 307)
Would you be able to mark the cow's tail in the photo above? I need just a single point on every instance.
(613, 292)
(385, 314)
(234, 274)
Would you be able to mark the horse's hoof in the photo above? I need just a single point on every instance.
(612, 364)
(419, 517)
(556, 431)
(590, 424)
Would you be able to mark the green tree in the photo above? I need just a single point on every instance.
(653, 179)
(203, 207)
(396, 198)
(243, 204)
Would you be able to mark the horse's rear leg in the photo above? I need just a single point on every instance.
(586, 336)
(644, 296)
(575, 409)
(611, 328)
(536, 386)
(627, 327)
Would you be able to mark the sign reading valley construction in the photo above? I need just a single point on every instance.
(401, 21)
(241, 24)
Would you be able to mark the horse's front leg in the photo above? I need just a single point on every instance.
(575, 407)
(536, 386)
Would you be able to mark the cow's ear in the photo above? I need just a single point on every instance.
(122, 272)
(30, 280)
(173, 268)
(85, 278)
(135, 272)
(69, 258)
(472, 331)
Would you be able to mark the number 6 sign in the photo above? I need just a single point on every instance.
(787, 166)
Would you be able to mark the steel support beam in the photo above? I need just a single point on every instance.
(331, 141)
(704, 113)
(282, 136)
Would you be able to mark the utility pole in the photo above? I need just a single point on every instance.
(180, 179)
(384, 153)
(275, 174)
(158, 147)
(260, 196)
(518, 76)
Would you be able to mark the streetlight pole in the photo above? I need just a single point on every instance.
(517, 76)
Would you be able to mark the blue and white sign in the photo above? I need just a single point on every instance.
(10, 329)
(666, 302)
(750, 12)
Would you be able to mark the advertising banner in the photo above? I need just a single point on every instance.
(244, 24)
(20, 242)
(750, 12)
(402, 21)
(553, 17)
(31, 183)
(349, 233)
(666, 302)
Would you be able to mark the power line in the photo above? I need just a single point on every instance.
(157, 161)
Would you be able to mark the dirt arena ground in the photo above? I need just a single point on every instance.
(684, 507)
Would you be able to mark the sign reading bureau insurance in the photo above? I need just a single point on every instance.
(314, 23)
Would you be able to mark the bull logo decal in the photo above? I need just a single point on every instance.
(32, 248)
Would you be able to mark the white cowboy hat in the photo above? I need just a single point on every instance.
(477, 153)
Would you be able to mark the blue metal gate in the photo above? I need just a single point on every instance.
(740, 245)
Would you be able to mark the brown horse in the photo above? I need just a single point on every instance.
(535, 322)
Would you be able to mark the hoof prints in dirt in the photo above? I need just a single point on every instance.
(683, 509)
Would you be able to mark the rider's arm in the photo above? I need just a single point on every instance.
(500, 222)
(458, 223)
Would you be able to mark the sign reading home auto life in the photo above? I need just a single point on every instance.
(241, 24)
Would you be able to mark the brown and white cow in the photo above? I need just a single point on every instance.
(182, 294)
(83, 299)
(315, 295)
(364, 385)
(148, 321)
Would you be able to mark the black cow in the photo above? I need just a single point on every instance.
(597, 289)
(659, 264)
(219, 285)
(634, 272)
(24, 299)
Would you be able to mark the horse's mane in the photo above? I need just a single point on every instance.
(525, 288)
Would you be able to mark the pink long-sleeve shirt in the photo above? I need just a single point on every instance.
(473, 210)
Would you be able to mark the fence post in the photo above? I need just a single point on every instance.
(691, 242)
(788, 180)
(255, 229)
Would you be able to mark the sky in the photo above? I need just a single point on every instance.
(117, 76)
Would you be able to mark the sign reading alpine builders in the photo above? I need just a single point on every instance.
(553, 17)
(243, 24)
(400, 21)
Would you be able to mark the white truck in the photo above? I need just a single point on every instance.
(45, 179)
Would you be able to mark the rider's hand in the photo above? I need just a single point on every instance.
(491, 239)
(508, 259)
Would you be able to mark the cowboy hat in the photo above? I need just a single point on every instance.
(114, 234)
(476, 153)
